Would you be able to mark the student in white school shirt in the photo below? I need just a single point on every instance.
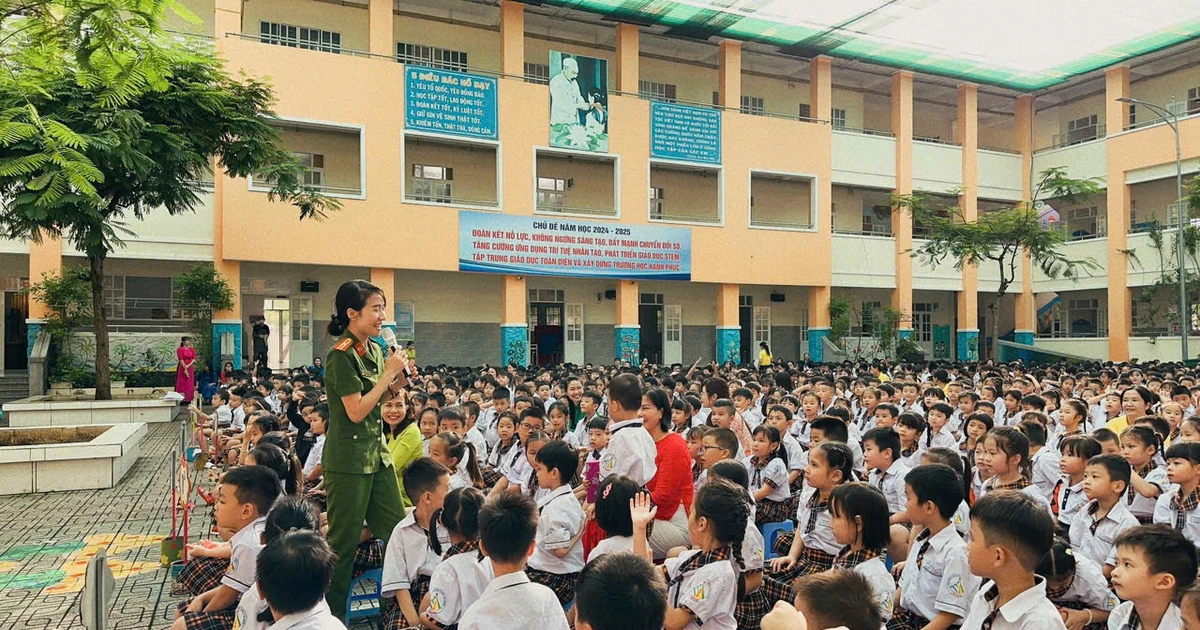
(1010, 534)
(464, 573)
(295, 570)
(558, 553)
(631, 450)
(1076, 585)
(287, 514)
(411, 555)
(508, 528)
(1154, 563)
(1104, 517)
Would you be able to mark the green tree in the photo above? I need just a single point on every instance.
(103, 118)
(1004, 236)
(203, 292)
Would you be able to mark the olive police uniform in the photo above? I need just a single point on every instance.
(360, 483)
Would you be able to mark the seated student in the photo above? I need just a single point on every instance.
(501, 398)
(293, 576)
(501, 454)
(1155, 563)
(558, 555)
(221, 417)
(312, 464)
(936, 433)
(1068, 496)
(620, 592)
(612, 515)
(453, 419)
(519, 465)
(1010, 534)
(462, 575)
(415, 547)
(1177, 506)
(247, 493)
(695, 442)
(885, 416)
(1006, 455)
(743, 401)
(910, 427)
(719, 444)
(853, 439)
(703, 584)
(450, 450)
(860, 522)
(780, 417)
(1077, 587)
(287, 514)
(962, 516)
(1140, 446)
(1110, 442)
(508, 524)
(556, 419)
(427, 423)
(832, 599)
(881, 448)
(1105, 516)
(936, 585)
(724, 416)
(769, 476)
(1044, 462)
(473, 434)
(760, 591)
(811, 548)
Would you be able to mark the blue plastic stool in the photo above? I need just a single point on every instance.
(770, 532)
(364, 599)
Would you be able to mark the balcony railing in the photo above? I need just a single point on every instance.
(866, 132)
(880, 231)
(786, 225)
(1076, 136)
(452, 201)
(556, 209)
(935, 140)
(683, 218)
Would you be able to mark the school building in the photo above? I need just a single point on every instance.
(698, 178)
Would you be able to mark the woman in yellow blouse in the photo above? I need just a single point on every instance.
(402, 436)
(764, 355)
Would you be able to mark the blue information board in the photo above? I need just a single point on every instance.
(452, 103)
(553, 246)
(689, 134)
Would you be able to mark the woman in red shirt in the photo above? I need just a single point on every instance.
(671, 488)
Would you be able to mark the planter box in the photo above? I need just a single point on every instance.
(51, 411)
(96, 464)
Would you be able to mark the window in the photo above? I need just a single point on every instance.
(922, 320)
(868, 317)
(299, 37)
(650, 298)
(745, 300)
(1081, 223)
(432, 56)
(656, 203)
(141, 297)
(664, 92)
(753, 105)
(762, 325)
(804, 325)
(574, 322)
(546, 295)
(551, 193)
(1083, 129)
(314, 167)
(1193, 101)
(1133, 114)
(301, 311)
(673, 328)
(838, 116)
(433, 183)
(537, 73)
(805, 111)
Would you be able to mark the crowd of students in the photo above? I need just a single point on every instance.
(610, 497)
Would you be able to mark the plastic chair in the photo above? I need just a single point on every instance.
(364, 599)
(770, 532)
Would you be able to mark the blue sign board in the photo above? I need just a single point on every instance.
(554, 246)
(452, 103)
(689, 134)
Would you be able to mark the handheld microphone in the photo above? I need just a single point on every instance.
(389, 337)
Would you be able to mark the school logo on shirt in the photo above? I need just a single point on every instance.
(758, 555)
(239, 619)
(232, 565)
(958, 518)
(608, 463)
(885, 601)
(955, 586)
(1110, 602)
(700, 592)
(437, 601)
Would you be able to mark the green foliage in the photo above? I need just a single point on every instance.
(909, 351)
(68, 296)
(887, 328)
(839, 320)
(203, 291)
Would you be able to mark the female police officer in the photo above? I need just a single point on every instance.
(359, 480)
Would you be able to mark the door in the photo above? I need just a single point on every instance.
(672, 334)
(277, 312)
(746, 323)
(302, 341)
(16, 339)
(574, 334)
(650, 319)
(762, 330)
(546, 336)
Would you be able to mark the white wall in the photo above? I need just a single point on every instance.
(999, 175)
(863, 160)
(161, 236)
(864, 261)
(936, 167)
(1082, 161)
(944, 277)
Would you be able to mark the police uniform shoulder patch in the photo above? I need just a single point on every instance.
(344, 345)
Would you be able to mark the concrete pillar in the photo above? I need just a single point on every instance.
(627, 58)
(902, 223)
(818, 322)
(514, 327)
(820, 92)
(627, 334)
(227, 325)
(1025, 315)
(730, 94)
(45, 258)
(512, 38)
(1116, 85)
(968, 297)
(729, 328)
(380, 32)
(386, 279)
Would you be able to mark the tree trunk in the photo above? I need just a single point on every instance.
(100, 328)
(995, 355)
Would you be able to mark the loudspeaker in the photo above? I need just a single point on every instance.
(778, 297)
(310, 286)
(610, 294)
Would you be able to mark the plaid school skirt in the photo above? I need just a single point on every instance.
(752, 607)
(767, 511)
(563, 584)
(202, 574)
(1080, 606)
(811, 561)
(393, 618)
(905, 619)
(219, 620)
(490, 476)
(369, 555)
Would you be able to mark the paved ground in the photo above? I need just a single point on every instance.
(46, 540)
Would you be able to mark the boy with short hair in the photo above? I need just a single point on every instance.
(1010, 534)
(717, 444)
(743, 401)
(724, 416)
(1110, 443)
(501, 398)
(1155, 563)
(838, 598)
(1068, 496)
(1105, 516)
(294, 572)
(246, 495)
(885, 416)
(1177, 506)
(411, 554)
(312, 464)
(471, 410)
(589, 404)
(1045, 462)
(780, 417)
(508, 526)
(936, 585)
(881, 448)
(620, 591)
(558, 556)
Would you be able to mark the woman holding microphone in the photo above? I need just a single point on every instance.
(359, 480)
